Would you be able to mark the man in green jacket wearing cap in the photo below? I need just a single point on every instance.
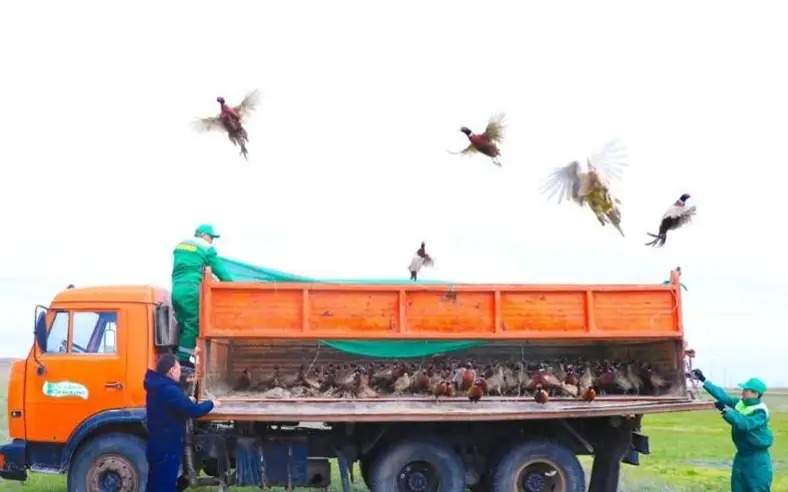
(190, 259)
(749, 419)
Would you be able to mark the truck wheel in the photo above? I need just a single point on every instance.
(109, 463)
(418, 465)
(537, 466)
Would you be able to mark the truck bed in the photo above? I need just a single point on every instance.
(454, 409)
(255, 330)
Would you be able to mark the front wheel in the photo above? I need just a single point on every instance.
(109, 463)
(418, 465)
(539, 466)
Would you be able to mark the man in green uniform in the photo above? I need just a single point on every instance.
(749, 419)
(190, 259)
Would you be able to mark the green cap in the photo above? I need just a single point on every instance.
(205, 229)
(755, 385)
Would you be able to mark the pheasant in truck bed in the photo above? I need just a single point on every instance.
(445, 378)
(477, 390)
(540, 395)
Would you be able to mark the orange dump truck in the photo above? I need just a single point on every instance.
(284, 360)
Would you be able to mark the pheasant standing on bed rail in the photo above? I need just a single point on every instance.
(420, 259)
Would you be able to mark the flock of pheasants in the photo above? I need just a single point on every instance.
(585, 184)
(579, 378)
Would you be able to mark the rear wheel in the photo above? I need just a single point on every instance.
(109, 463)
(418, 465)
(539, 466)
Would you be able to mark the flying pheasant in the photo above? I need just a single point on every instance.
(676, 216)
(231, 119)
(420, 259)
(487, 142)
(590, 184)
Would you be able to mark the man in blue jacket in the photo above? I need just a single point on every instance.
(749, 420)
(167, 408)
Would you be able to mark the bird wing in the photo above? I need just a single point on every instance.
(678, 216)
(679, 212)
(495, 127)
(470, 149)
(563, 182)
(609, 162)
(208, 124)
(248, 104)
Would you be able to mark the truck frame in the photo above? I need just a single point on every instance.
(76, 403)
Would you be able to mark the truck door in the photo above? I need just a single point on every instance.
(84, 372)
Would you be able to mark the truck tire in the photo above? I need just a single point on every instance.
(539, 465)
(418, 465)
(110, 462)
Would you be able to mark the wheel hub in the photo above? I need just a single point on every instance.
(112, 473)
(417, 477)
(534, 482)
(541, 477)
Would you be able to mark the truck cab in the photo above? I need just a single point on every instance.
(83, 379)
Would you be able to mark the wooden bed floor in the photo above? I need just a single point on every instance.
(448, 409)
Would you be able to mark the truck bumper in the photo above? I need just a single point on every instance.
(12, 460)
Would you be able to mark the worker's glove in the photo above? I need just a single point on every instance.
(720, 405)
(698, 374)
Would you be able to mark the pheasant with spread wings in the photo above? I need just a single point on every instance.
(676, 216)
(487, 142)
(231, 119)
(590, 184)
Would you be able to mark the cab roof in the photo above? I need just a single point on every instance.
(146, 294)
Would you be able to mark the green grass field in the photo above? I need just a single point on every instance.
(689, 452)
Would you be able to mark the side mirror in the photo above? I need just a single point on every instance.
(165, 330)
(40, 335)
(40, 328)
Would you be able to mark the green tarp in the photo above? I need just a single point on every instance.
(245, 272)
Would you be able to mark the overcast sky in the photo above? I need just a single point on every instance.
(348, 166)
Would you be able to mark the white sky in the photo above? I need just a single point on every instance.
(102, 173)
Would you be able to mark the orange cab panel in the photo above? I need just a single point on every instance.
(16, 400)
(84, 368)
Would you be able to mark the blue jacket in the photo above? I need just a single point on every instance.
(167, 409)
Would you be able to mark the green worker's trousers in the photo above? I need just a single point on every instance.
(186, 303)
(751, 472)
